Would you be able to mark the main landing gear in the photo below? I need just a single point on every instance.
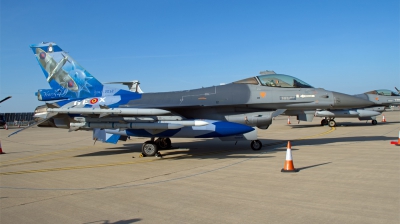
(331, 122)
(374, 122)
(150, 148)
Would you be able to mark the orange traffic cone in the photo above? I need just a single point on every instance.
(288, 120)
(383, 118)
(288, 167)
(396, 143)
(1, 150)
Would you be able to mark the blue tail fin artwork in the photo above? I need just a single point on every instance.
(67, 79)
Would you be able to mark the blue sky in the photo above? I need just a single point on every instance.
(345, 46)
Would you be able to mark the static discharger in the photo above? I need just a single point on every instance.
(396, 143)
(289, 167)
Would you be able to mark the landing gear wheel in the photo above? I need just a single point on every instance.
(163, 143)
(374, 122)
(256, 145)
(149, 149)
(324, 122)
(332, 123)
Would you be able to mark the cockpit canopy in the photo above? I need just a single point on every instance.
(275, 80)
(383, 92)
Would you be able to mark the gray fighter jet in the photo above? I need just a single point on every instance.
(382, 98)
(230, 112)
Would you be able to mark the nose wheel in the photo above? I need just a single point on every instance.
(256, 145)
(374, 122)
(332, 123)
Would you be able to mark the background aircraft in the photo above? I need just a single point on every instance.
(382, 99)
(230, 112)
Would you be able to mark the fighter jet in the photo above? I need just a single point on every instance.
(381, 98)
(231, 112)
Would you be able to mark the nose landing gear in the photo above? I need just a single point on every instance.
(330, 122)
(256, 145)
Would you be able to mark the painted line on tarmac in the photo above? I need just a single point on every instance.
(45, 154)
(127, 185)
(77, 167)
(146, 161)
(317, 135)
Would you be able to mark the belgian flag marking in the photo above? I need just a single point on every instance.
(94, 100)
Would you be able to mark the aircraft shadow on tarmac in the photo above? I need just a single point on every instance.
(128, 221)
(211, 148)
(207, 148)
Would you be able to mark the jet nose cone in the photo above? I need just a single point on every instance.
(345, 101)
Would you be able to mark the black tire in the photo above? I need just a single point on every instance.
(256, 145)
(374, 122)
(163, 143)
(332, 123)
(149, 149)
(324, 122)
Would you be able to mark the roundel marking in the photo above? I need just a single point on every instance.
(94, 100)
(42, 55)
(71, 83)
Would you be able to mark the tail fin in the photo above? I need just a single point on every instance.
(64, 75)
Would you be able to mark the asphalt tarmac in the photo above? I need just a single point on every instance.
(347, 174)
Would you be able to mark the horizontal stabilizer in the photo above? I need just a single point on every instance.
(34, 124)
